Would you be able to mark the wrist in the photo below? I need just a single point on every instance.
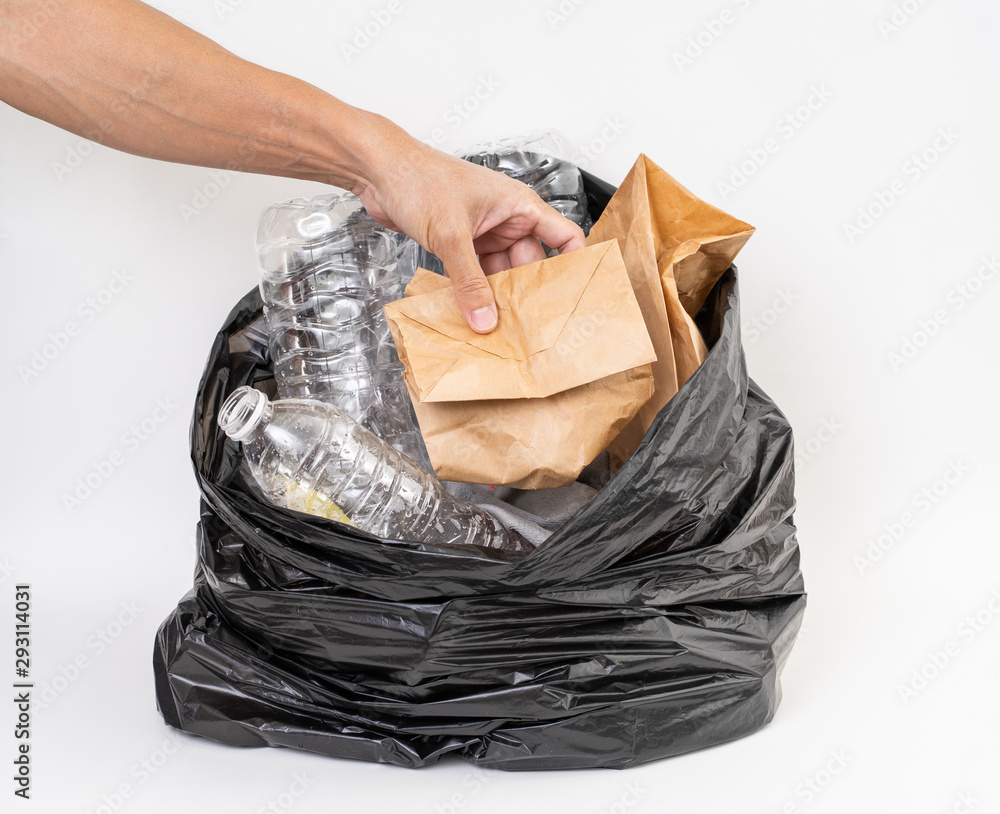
(328, 140)
(378, 151)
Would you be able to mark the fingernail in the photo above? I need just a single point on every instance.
(484, 319)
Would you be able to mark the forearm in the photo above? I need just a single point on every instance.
(124, 74)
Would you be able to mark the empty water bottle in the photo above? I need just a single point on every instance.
(309, 456)
(326, 271)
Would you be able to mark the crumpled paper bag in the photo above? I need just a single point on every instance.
(532, 403)
(675, 247)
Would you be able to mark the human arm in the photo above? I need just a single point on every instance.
(124, 74)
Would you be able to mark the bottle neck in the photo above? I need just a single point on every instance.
(243, 412)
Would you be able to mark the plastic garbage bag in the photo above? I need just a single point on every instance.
(655, 621)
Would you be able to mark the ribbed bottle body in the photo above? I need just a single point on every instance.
(326, 270)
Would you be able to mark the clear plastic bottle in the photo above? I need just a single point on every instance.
(309, 456)
(327, 268)
(540, 160)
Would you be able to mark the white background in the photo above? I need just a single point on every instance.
(877, 437)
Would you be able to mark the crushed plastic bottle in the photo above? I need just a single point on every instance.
(327, 268)
(309, 456)
(540, 160)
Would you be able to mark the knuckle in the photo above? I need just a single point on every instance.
(530, 202)
(446, 238)
(471, 285)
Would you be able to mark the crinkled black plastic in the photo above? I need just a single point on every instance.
(655, 622)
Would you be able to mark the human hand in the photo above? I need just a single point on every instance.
(188, 100)
(458, 210)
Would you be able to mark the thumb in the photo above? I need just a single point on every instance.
(474, 295)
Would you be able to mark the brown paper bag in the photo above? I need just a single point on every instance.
(531, 404)
(676, 247)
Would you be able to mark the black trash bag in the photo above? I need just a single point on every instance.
(656, 621)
